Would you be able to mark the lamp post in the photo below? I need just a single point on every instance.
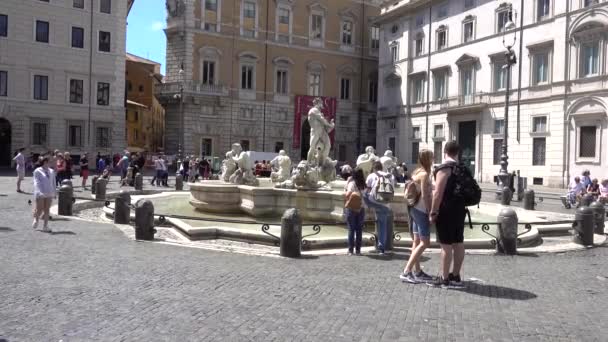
(510, 60)
(181, 117)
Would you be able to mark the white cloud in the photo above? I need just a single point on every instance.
(157, 26)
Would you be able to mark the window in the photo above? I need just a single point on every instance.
(105, 6)
(392, 145)
(502, 17)
(418, 95)
(42, 31)
(590, 58)
(211, 5)
(497, 151)
(3, 83)
(3, 25)
(208, 72)
(467, 86)
(206, 147)
(41, 87)
(438, 152)
(442, 38)
(283, 16)
(102, 136)
(77, 37)
(499, 126)
(347, 32)
(419, 46)
(371, 125)
(442, 11)
(415, 151)
(540, 68)
(419, 20)
(345, 89)
(587, 141)
(440, 82)
(39, 133)
(316, 27)
(314, 84)
(245, 145)
(373, 92)
(76, 91)
(543, 9)
(469, 3)
(341, 152)
(539, 151)
(249, 10)
(394, 53)
(500, 76)
(438, 132)
(375, 38)
(468, 31)
(281, 82)
(392, 124)
(103, 94)
(75, 135)
(416, 132)
(278, 146)
(539, 124)
(78, 3)
(247, 77)
(587, 3)
(104, 41)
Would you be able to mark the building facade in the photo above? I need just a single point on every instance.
(62, 76)
(145, 117)
(442, 77)
(245, 62)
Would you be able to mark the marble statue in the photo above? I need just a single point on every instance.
(237, 168)
(389, 163)
(320, 144)
(282, 163)
(366, 160)
(304, 177)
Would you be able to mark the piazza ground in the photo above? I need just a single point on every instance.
(88, 282)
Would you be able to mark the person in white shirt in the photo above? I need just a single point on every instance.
(382, 210)
(576, 190)
(20, 167)
(44, 192)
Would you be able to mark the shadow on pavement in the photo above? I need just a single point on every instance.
(527, 254)
(55, 218)
(64, 232)
(394, 256)
(6, 229)
(494, 291)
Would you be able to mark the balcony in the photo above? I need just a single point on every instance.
(463, 104)
(169, 90)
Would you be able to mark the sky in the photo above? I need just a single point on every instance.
(145, 35)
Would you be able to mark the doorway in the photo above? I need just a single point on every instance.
(5, 143)
(305, 142)
(467, 135)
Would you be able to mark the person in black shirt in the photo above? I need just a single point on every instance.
(84, 169)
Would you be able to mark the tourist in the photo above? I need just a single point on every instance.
(206, 166)
(101, 165)
(346, 171)
(354, 210)
(53, 165)
(107, 173)
(84, 169)
(60, 169)
(68, 165)
(594, 188)
(382, 210)
(158, 168)
(44, 192)
(576, 190)
(604, 191)
(123, 165)
(448, 214)
(586, 178)
(97, 159)
(419, 214)
(20, 167)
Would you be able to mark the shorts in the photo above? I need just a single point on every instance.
(450, 225)
(21, 173)
(84, 173)
(420, 223)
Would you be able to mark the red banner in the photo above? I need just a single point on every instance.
(303, 105)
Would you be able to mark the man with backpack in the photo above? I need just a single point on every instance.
(380, 191)
(455, 189)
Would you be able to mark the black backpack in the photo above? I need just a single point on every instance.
(461, 185)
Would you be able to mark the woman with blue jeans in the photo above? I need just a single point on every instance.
(354, 210)
(419, 214)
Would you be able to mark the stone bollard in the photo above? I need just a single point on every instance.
(93, 184)
(144, 220)
(122, 208)
(586, 200)
(179, 182)
(139, 181)
(64, 204)
(505, 196)
(599, 215)
(507, 232)
(130, 176)
(67, 182)
(291, 234)
(390, 228)
(100, 189)
(529, 203)
(583, 227)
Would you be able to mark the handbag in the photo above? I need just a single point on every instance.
(354, 201)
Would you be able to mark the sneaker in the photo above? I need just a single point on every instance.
(46, 229)
(440, 282)
(358, 253)
(455, 280)
(408, 278)
(350, 253)
(422, 277)
(35, 224)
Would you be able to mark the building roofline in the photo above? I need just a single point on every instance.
(401, 10)
(129, 5)
(136, 58)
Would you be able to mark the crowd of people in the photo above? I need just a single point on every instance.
(582, 185)
(263, 169)
(193, 168)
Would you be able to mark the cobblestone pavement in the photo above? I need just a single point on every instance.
(87, 282)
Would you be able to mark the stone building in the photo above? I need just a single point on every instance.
(62, 75)
(442, 77)
(245, 63)
(145, 118)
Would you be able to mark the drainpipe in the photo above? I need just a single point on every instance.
(360, 114)
(231, 83)
(566, 139)
(428, 77)
(91, 78)
(265, 77)
(521, 49)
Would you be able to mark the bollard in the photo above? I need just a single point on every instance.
(67, 182)
(529, 203)
(179, 182)
(144, 220)
(130, 176)
(586, 200)
(100, 189)
(505, 196)
(390, 227)
(139, 181)
(64, 204)
(599, 215)
(583, 227)
(507, 232)
(93, 184)
(122, 208)
(291, 234)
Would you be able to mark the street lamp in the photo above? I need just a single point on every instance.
(510, 60)
(181, 116)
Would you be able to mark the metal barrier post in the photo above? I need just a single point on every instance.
(390, 228)
(529, 203)
(100, 189)
(583, 227)
(122, 208)
(291, 234)
(94, 184)
(179, 182)
(144, 220)
(139, 181)
(600, 216)
(65, 201)
(507, 232)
